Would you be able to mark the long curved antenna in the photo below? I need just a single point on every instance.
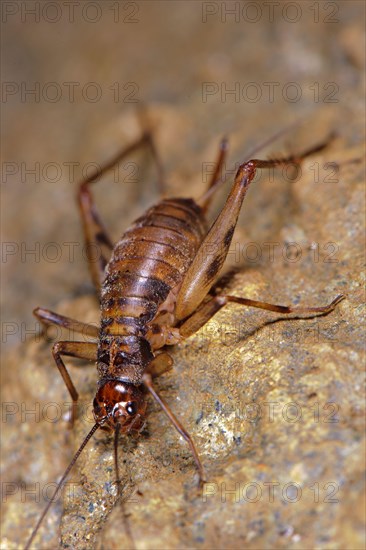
(60, 483)
(119, 491)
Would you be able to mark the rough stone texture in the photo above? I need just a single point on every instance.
(275, 408)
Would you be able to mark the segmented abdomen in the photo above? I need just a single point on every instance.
(147, 263)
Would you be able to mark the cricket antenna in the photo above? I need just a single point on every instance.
(119, 489)
(60, 483)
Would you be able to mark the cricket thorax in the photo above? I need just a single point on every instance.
(124, 358)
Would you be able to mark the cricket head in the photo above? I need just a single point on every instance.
(120, 403)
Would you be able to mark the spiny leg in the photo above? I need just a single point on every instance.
(206, 266)
(200, 317)
(48, 317)
(147, 380)
(82, 350)
(95, 233)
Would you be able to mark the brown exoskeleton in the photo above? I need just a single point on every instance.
(154, 291)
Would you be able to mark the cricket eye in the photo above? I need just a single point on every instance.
(131, 408)
(104, 358)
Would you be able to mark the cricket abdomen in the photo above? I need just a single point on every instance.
(146, 264)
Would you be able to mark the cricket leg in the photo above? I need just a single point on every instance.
(161, 364)
(48, 317)
(200, 317)
(95, 233)
(216, 176)
(206, 266)
(147, 380)
(83, 350)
